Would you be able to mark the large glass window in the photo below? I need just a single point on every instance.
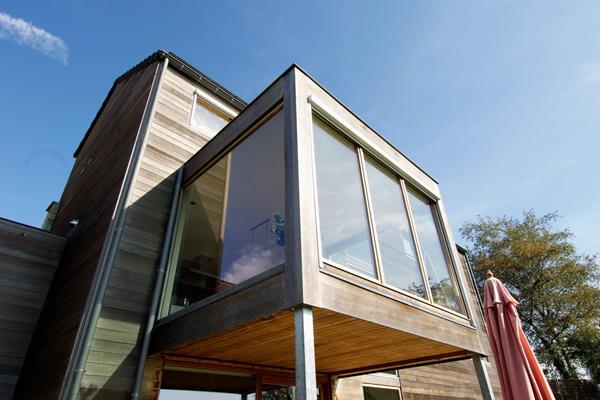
(232, 219)
(396, 245)
(366, 224)
(441, 283)
(345, 236)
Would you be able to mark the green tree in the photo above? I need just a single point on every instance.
(558, 291)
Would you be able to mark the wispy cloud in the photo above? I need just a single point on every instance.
(25, 33)
(589, 74)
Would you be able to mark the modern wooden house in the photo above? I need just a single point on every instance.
(279, 249)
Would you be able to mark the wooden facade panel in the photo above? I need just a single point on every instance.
(90, 195)
(473, 295)
(189, 134)
(169, 143)
(343, 344)
(448, 381)
(29, 267)
(343, 297)
(253, 303)
(28, 261)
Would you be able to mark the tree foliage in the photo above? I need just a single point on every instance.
(558, 291)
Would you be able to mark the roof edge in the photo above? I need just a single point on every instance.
(182, 67)
(31, 227)
(309, 76)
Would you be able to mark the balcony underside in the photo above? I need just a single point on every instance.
(343, 345)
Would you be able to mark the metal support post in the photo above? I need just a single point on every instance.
(306, 374)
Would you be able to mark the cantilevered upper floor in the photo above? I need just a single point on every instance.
(298, 202)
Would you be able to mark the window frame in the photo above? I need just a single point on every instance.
(403, 180)
(386, 387)
(200, 96)
(163, 312)
(370, 227)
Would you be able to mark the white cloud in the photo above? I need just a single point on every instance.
(253, 260)
(25, 33)
(589, 74)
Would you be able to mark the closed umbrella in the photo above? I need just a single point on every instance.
(521, 376)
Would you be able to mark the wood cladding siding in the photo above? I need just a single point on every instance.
(111, 365)
(28, 260)
(446, 381)
(342, 344)
(480, 322)
(90, 195)
(449, 381)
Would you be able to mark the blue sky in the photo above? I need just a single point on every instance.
(498, 100)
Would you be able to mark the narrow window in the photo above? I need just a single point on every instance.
(396, 245)
(380, 393)
(208, 118)
(443, 288)
(344, 228)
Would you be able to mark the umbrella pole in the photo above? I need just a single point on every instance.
(483, 378)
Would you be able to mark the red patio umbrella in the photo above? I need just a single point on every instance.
(521, 376)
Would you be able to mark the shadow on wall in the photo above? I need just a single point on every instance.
(112, 362)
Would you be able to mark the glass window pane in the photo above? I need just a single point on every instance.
(345, 236)
(202, 213)
(208, 118)
(442, 286)
(388, 372)
(378, 393)
(233, 218)
(396, 245)
(254, 229)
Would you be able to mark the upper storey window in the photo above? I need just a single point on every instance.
(441, 283)
(231, 223)
(207, 117)
(399, 262)
(373, 225)
(345, 235)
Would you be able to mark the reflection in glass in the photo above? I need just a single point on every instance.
(388, 372)
(208, 118)
(379, 393)
(277, 392)
(206, 385)
(396, 246)
(345, 236)
(232, 219)
(442, 286)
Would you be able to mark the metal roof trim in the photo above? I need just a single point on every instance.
(183, 67)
